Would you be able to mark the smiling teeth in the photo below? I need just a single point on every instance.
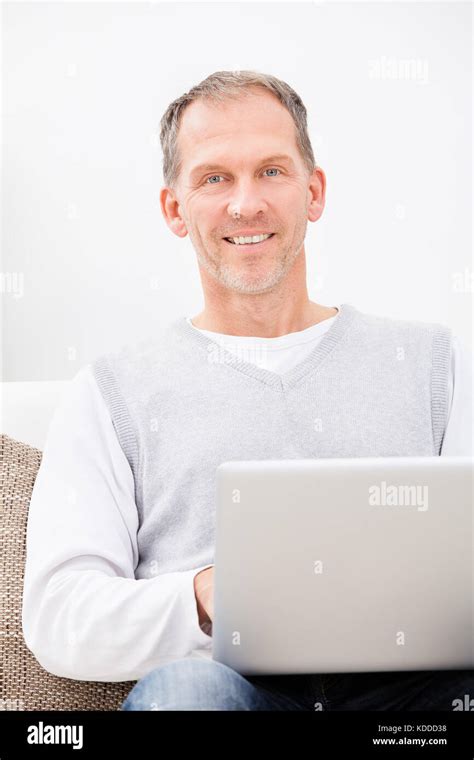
(252, 239)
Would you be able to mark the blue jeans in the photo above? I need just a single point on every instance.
(200, 684)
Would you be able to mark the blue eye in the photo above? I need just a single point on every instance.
(271, 169)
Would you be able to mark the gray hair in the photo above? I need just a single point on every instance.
(217, 87)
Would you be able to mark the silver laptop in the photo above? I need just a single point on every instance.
(344, 565)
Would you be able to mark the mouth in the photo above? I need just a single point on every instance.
(246, 246)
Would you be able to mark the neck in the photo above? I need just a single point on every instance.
(260, 315)
(269, 325)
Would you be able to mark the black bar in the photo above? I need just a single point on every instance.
(156, 733)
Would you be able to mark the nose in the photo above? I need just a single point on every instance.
(247, 200)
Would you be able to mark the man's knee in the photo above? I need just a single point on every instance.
(192, 684)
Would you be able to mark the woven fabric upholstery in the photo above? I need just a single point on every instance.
(24, 684)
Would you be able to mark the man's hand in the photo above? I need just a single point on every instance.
(204, 593)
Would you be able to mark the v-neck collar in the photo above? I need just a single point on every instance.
(274, 379)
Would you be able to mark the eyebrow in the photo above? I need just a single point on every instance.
(218, 167)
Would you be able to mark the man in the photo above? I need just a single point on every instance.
(119, 573)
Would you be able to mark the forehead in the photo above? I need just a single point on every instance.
(255, 122)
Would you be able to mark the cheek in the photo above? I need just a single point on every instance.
(206, 217)
(288, 200)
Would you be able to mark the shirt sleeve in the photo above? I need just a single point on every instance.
(84, 614)
(459, 436)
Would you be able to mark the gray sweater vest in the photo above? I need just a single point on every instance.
(181, 404)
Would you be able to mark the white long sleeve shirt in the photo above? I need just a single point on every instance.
(93, 558)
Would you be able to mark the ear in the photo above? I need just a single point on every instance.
(316, 194)
(171, 211)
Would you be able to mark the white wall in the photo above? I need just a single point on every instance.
(88, 261)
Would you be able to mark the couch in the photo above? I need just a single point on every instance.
(24, 684)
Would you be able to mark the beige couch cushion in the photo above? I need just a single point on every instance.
(24, 684)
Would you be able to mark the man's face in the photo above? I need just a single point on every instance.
(238, 143)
